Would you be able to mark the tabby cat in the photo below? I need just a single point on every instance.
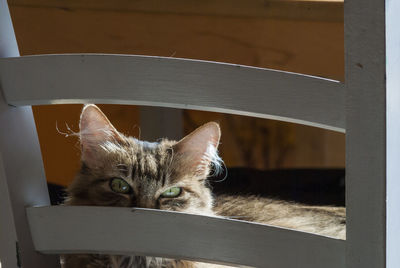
(122, 171)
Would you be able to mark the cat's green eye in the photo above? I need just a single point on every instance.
(172, 192)
(119, 185)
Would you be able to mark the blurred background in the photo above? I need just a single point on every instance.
(299, 36)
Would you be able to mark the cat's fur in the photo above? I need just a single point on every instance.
(151, 168)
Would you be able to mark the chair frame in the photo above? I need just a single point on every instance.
(366, 105)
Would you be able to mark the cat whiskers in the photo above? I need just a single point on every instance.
(69, 132)
(139, 130)
(222, 169)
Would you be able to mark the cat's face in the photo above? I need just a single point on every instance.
(123, 171)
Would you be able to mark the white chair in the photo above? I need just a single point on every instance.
(366, 106)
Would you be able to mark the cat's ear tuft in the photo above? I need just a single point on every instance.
(198, 150)
(95, 130)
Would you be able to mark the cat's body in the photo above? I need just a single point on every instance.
(323, 220)
(123, 171)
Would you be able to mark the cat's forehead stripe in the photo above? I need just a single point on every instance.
(149, 164)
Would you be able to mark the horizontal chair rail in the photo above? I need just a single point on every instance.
(67, 229)
(176, 83)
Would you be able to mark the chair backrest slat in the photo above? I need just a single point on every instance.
(179, 235)
(175, 83)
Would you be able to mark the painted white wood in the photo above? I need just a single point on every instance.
(393, 134)
(8, 43)
(177, 235)
(22, 180)
(366, 129)
(176, 83)
(24, 177)
(8, 233)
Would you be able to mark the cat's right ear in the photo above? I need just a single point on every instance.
(95, 130)
(198, 150)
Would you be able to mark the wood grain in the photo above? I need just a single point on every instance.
(320, 10)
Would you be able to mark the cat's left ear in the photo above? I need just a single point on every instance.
(198, 150)
(95, 130)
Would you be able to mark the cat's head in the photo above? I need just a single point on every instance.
(122, 171)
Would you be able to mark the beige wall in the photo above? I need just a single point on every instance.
(305, 37)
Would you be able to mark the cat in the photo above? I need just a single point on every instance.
(122, 171)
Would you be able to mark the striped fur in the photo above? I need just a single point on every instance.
(152, 168)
